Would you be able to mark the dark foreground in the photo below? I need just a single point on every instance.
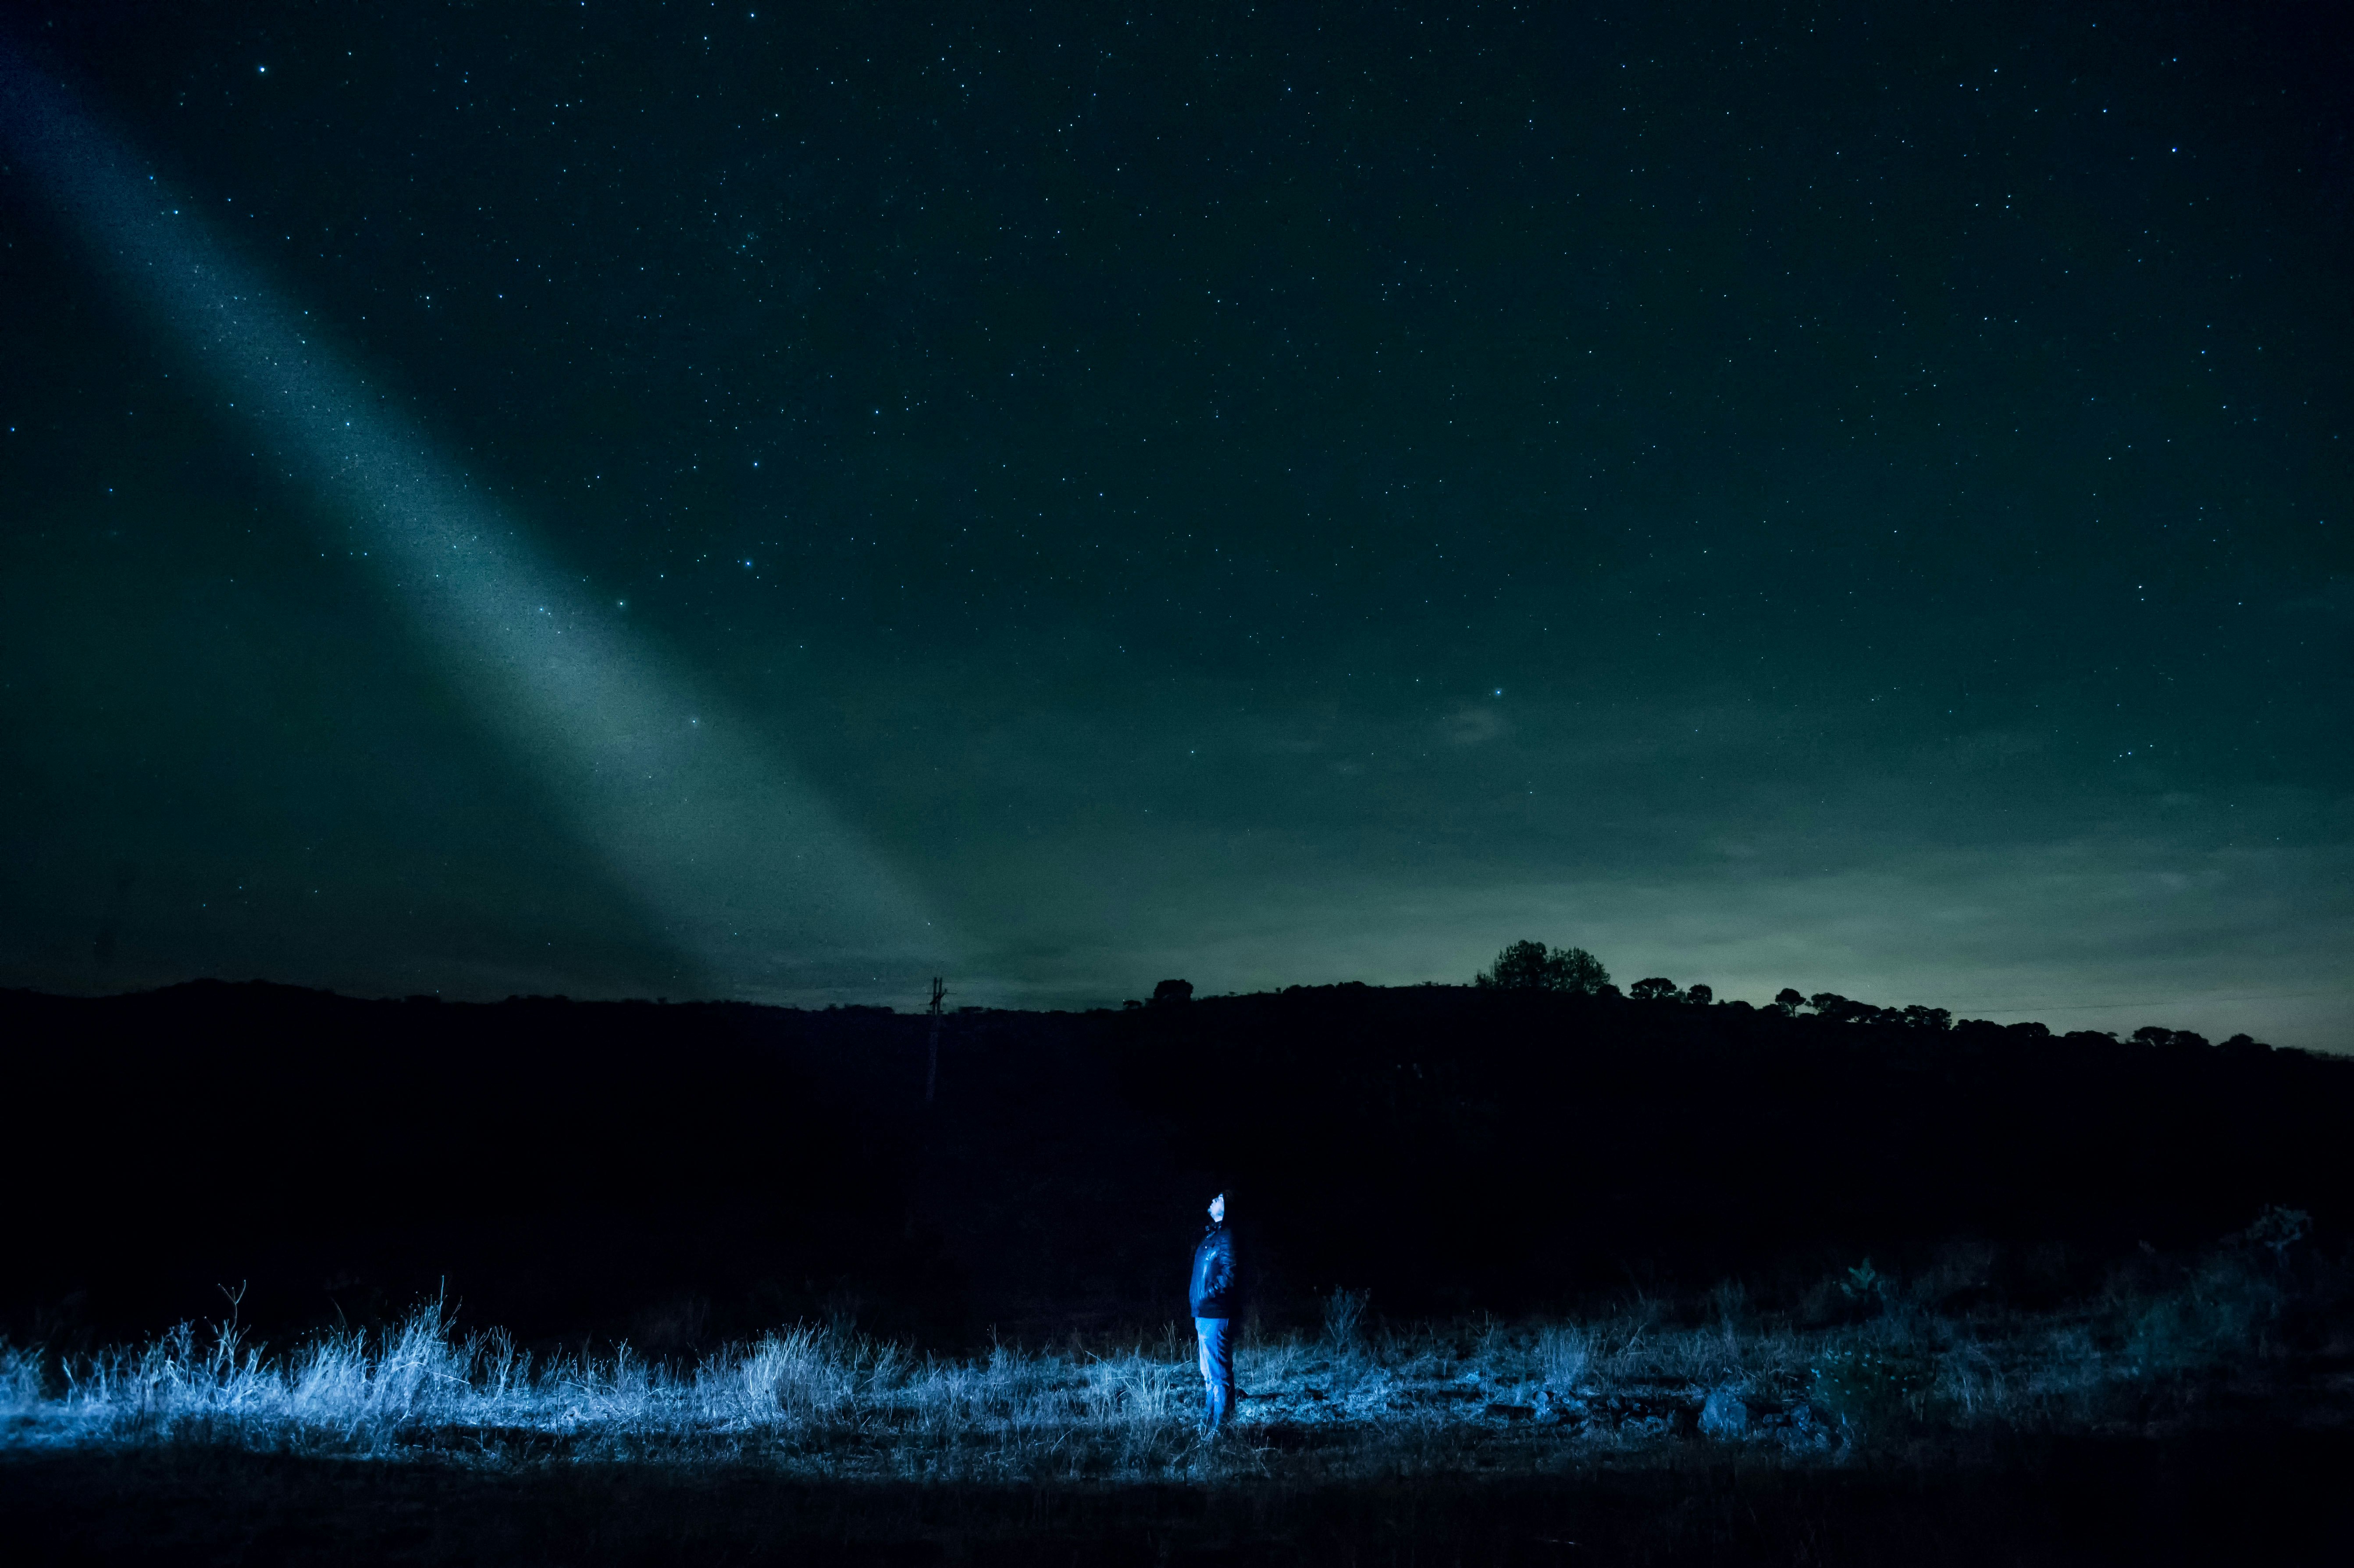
(2273, 1499)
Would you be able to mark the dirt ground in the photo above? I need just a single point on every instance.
(2273, 1498)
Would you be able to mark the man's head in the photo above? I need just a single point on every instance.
(1218, 1210)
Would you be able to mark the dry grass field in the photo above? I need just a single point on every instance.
(2162, 1349)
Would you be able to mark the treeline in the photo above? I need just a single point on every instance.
(1532, 966)
(678, 1174)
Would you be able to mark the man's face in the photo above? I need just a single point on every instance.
(1218, 1209)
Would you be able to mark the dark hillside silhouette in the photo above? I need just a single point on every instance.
(681, 1173)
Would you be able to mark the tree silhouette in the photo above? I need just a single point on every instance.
(1700, 995)
(1172, 993)
(1658, 988)
(1787, 1002)
(1531, 966)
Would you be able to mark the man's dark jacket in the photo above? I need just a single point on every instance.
(1216, 1289)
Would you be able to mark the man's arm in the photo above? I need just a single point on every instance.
(1221, 1273)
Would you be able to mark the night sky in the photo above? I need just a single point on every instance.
(711, 501)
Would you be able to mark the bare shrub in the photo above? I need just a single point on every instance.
(20, 1380)
(1563, 1354)
(1344, 1316)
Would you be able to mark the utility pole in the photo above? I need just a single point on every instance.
(932, 1064)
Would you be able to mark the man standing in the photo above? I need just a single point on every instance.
(1216, 1292)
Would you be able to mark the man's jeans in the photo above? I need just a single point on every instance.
(1217, 1366)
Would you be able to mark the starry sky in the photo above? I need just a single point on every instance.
(1846, 498)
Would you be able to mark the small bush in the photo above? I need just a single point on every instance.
(1344, 1316)
(1865, 1287)
(2279, 1229)
(1564, 1355)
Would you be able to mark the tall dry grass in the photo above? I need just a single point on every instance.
(1360, 1393)
(421, 1383)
